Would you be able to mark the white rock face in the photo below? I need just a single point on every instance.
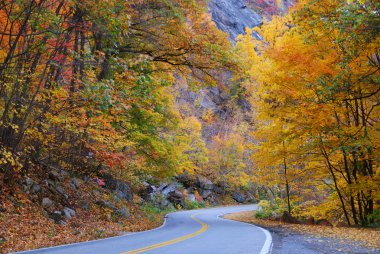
(233, 16)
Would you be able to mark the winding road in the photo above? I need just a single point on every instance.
(189, 232)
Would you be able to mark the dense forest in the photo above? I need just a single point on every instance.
(114, 88)
(317, 100)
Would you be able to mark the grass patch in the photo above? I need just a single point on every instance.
(195, 205)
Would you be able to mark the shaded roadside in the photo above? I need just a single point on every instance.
(306, 239)
(286, 241)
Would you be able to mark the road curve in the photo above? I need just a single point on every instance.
(189, 232)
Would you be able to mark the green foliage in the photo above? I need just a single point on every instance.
(269, 209)
(151, 209)
(374, 218)
(86, 85)
(194, 205)
(265, 210)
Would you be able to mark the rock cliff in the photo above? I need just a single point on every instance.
(233, 16)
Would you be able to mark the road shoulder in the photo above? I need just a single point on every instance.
(309, 240)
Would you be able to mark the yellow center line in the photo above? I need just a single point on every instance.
(173, 241)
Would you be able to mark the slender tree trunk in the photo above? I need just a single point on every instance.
(349, 181)
(331, 170)
(287, 187)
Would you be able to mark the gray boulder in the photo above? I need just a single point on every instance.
(191, 197)
(187, 180)
(212, 199)
(146, 191)
(116, 211)
(250, 197)
(205, 183)
(75, 183)
(106, 204)
(68, 213)
(206, 101)
(84, 204)
(238, 197)
(47, 203)
(55, 176)
(205, 193)
(123, 191)
(176, 197)
(120, 188)
(64, 173)
(30, 186)
(218, 189)
(56, 216)
(95, 193)
(123, 212)
(28, 183)
(36, 188)
(165, 189)
(159, 200)
(61, 191)
(164, 203)
(56, 188)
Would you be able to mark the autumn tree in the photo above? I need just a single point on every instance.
(86, 85)
(316, 95)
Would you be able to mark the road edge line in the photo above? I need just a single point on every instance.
(267, 247)
(268, 244)
(91, 241)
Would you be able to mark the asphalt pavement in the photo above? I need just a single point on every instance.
(187, 232)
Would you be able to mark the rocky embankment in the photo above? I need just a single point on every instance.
(56, 207)
(186, 190)
(61, 195)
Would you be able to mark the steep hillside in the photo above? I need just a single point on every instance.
(106, 129)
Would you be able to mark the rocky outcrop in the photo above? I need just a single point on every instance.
(244, 196)
(165, 189)
(75, 183)
(119, 187)
(176, 198)
(186, 189)
(31, 187)
(146, 191)
(187, 180)
(205, 183)
(205, 193)
(47, 203)
(55, 176)
(69, 213)
(238, 197)
(233, 16)
(123, 212)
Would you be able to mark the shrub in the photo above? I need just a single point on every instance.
(267, 209)
(150, 209)
(374, 218)
(194, 205)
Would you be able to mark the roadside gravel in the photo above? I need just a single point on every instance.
(308, 239)
(286, 241)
